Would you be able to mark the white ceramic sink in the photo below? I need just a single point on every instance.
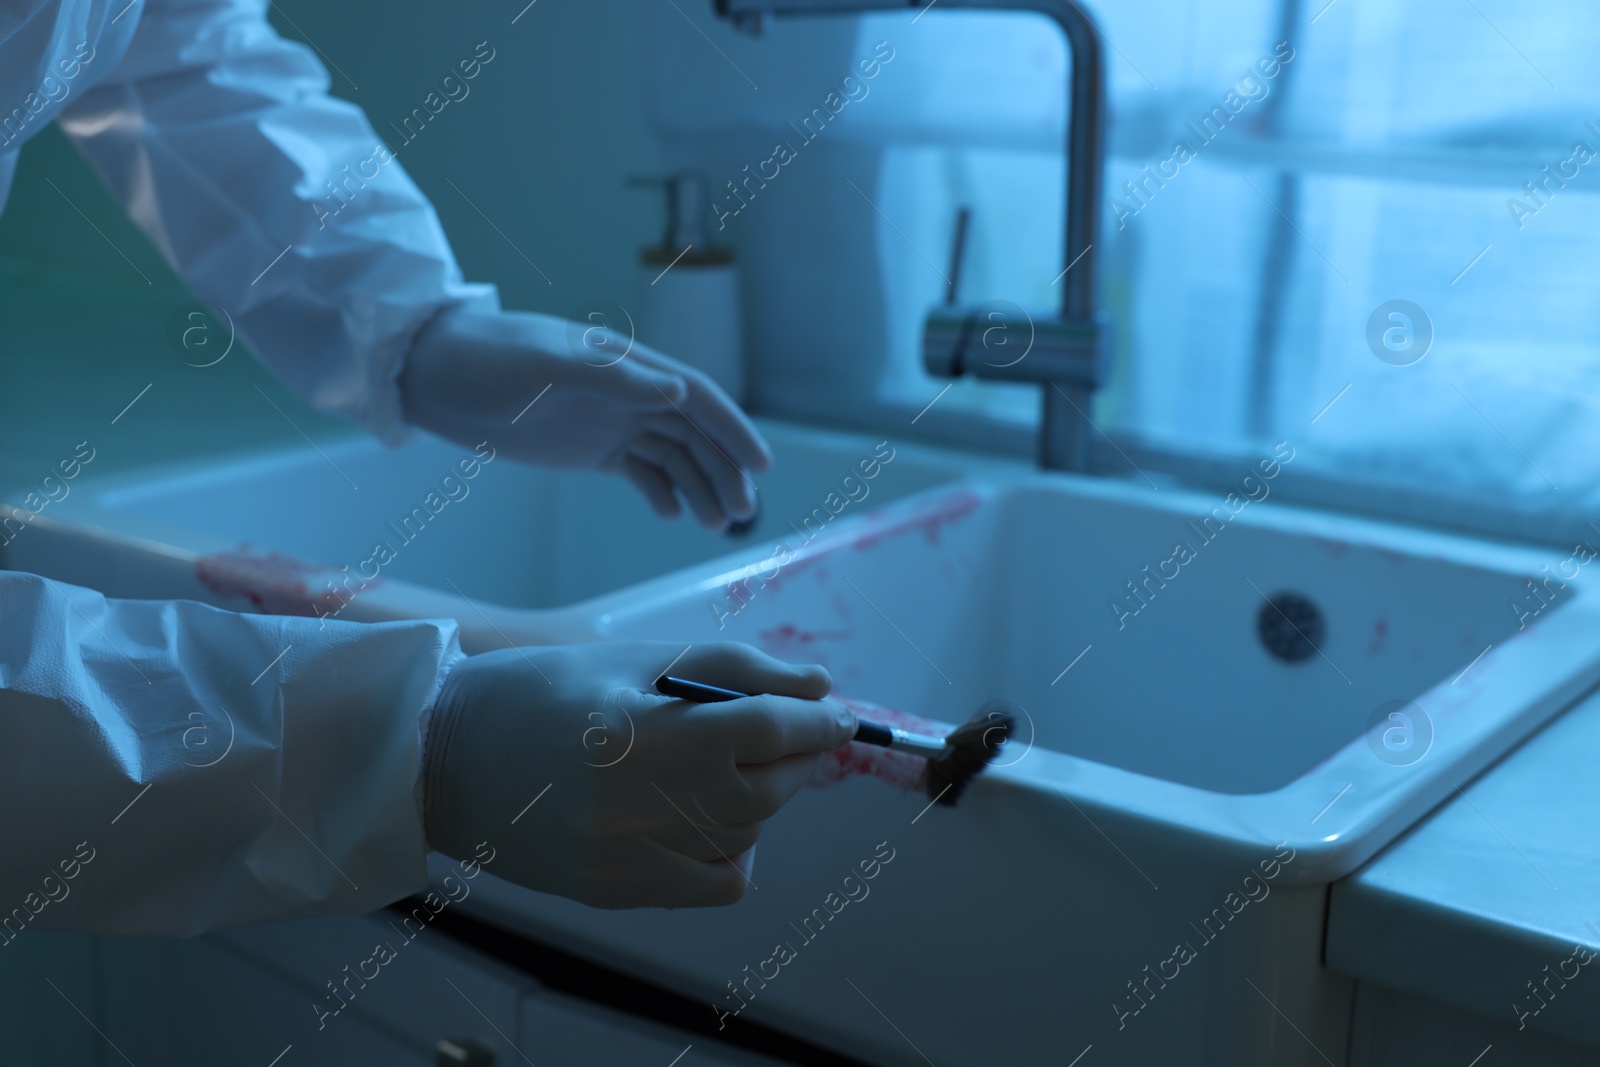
(1171, 756)
(1008, 590)
(1166, 758)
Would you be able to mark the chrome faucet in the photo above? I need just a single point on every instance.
(1069, 354)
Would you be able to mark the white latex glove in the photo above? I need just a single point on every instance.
(642, 801)
(598, 402)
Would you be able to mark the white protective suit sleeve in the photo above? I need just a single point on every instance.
(167, 767)
(221, 141)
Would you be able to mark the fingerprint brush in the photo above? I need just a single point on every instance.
(953, 760)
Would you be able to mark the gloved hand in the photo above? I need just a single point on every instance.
(642, 801)
(599, 401)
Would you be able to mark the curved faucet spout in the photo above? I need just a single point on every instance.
(1071, 362)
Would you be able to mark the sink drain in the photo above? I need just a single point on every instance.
(1291, 627)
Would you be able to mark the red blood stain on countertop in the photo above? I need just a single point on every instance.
(899, 769)
(273, 583)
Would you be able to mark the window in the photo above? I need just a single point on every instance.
(1367, 227)
(1436, 153)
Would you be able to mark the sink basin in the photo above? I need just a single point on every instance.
(1171, 765)
(1024, 591)
(284, 530)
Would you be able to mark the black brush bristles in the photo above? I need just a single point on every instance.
(969, 748)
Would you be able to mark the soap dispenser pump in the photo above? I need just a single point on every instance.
(689, 287)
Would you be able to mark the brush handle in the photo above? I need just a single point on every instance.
(867, 732)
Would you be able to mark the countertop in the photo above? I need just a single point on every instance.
(1493, 902)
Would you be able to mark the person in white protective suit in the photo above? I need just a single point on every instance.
(357, 747)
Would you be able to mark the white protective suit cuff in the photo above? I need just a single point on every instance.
(386, 358)
(221, 769)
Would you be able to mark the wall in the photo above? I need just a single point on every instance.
(528, 173)
(542, 145)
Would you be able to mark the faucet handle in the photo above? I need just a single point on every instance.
(1000, 341)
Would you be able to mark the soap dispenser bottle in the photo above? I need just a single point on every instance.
(689, 287)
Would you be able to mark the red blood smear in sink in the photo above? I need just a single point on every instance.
(900, 769)
(881, 524)
(951, 509)
(1380, 636)
(787, 637)
(273, 583)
